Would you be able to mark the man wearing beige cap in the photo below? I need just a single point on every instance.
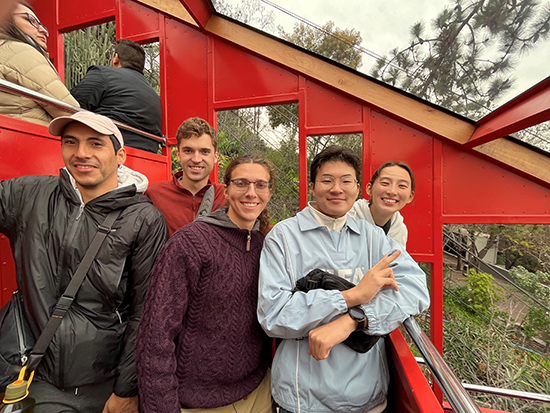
(51, 221)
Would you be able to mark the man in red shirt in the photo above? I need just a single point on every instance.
(180, 198)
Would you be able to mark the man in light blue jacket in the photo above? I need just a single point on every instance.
(313, 372)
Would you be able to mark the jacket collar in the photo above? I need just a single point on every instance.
(175, 181)
(120, 197)
(221, 219)
(307, 222)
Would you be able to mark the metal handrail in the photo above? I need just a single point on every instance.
(16, 89)
(517, 394)
(458, 397)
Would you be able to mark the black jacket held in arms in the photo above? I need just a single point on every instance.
(50, 229)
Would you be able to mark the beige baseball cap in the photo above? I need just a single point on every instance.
(99, 123)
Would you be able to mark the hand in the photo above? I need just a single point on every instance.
(322, 339)
(117, 404)
(379, 276)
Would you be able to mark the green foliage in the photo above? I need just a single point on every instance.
(86, 47)
(330, 41)
(94, 45)
(480, 292)
(243, 131)
(518, 245)
(483, 355)
(151, 70)
(176, 166)
(536, 322)
(534, 282)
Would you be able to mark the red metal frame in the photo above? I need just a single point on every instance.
(528, 109)
(202, 73)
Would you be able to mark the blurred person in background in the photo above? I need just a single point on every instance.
(24, 61)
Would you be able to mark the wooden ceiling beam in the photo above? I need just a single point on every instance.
(408, 109)
(200, 10)
(171, 7)
(519, 157)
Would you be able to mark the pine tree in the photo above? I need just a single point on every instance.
(466, 62)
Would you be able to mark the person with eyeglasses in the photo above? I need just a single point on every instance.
(24, 61)
(391, 187)
(200, 347)
(313, 370)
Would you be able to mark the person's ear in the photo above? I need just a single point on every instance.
(226, 191)
(121, 156)
(116, 60)
(368, 189)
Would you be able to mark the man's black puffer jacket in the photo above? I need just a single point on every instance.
(50, 230)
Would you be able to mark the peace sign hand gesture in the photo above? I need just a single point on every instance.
(379, 276)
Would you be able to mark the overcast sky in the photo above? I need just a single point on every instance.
(385, 24)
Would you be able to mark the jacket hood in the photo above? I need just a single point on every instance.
(130, 185)
(220, 219)
(127, 176)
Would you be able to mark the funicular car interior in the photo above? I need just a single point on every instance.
(465, 170)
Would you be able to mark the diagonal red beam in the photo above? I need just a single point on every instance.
(528, 109)
(200, 10)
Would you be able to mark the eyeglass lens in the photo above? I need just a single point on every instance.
(242, 185)
(329, 181)
(35, 22)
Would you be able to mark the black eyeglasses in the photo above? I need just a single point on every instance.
(34, 22)
(242, 185)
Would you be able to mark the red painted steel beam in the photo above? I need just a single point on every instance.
(528, 109)
(200, 10)
(409, 389)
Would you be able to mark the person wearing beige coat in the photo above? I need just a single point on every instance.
(24, 61)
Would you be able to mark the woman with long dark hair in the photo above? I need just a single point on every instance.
(391, 187)
(24, 61)
(199, 344)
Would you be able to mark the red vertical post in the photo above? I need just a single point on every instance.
(366, 148)
(302, 141)
(436, 269)
(210, 94)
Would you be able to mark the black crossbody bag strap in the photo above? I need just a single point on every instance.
(68, 296)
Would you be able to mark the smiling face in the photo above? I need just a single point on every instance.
(246, 207)
(334, 202)
(389, 193)
(89, 157)
(197, 157)
(21, 20)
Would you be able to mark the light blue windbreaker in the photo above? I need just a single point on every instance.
(346, 381)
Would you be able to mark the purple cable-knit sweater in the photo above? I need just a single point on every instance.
(199, 344)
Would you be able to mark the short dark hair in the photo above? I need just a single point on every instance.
(335, 153)
(196, 127)
(388, 164)
(130, 54)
